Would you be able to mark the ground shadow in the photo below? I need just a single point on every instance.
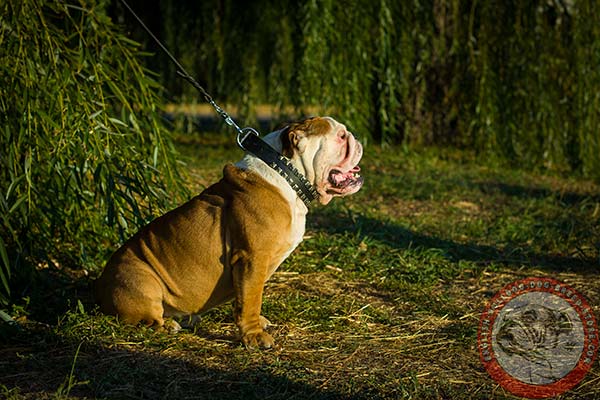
(37, 363)
(51, 291)
(523, 192)
(397, 236)
(36, 359)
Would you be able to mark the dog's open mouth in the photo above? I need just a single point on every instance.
(344, 182)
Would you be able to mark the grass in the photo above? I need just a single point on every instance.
(381, 300)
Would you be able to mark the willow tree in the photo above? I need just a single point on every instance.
(511, 79)
(83, 153)
(586, 90)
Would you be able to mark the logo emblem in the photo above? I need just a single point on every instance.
(537, 337)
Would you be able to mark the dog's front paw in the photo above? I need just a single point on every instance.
(259, 339)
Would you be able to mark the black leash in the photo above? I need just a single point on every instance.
(247, 138)
(184, 74)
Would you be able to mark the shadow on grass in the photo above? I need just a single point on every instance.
(37, 363)
(522, 192)
(36, 360)
(50, 292)
(396, 236)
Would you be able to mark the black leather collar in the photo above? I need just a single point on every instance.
(255, 145)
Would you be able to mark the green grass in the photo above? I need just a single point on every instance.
(381, 300)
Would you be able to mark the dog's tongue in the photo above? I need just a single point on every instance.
(339, 177)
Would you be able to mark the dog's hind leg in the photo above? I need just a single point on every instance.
(136, 297)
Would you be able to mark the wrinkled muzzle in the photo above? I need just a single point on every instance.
(344, 179)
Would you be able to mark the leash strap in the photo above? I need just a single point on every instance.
(184, 74)
(247, 138)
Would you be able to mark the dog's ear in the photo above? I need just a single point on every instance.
(292, 135)
(291, 138)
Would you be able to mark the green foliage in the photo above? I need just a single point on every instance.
(586, 106)
(82, 146)
(514, 80)
(382, 299)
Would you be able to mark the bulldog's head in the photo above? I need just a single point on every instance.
(327, 153)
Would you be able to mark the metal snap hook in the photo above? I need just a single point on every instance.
(243, 134)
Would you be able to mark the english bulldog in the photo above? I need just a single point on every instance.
(226, 242)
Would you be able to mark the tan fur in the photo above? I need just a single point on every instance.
(310, 127)
(179, 259)
(223, 244)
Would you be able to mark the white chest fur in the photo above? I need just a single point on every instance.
(295, 238)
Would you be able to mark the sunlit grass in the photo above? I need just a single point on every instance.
(381, 300)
